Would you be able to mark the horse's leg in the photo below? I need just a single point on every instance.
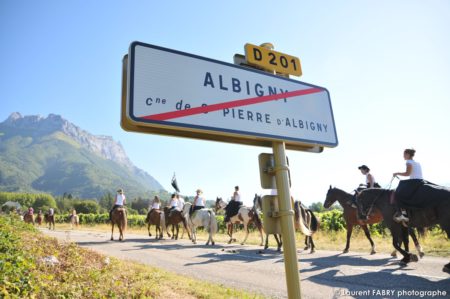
(230, 232)
(349, 234)
(148, 228)
(399, 234)
(261, 235)
(246, 233)
(279, 242)
(311, 242)
(366, 231)
(307, 245)
(266, 245)
(177, 227)
(112, 230)
(416, 241)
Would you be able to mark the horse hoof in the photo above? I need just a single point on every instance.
(421, 254)
(345, 251)
(229, 242)
(112, 239)
(403, 263)
(242, 243)
(414, 258)
(446, 268)
(306, 248)
(373, 252)
(394, 254)
(312, 251)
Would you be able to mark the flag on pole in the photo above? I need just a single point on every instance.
(175, 184)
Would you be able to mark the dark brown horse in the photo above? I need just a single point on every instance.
(156, 217)
(50, 220)
(28, 218)
(39, 219)
(174, 218)
(351, 218)
(381, 199)
(119, 218)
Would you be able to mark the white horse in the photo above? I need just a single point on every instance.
(74, 220)
(205, 218)
(245, 215)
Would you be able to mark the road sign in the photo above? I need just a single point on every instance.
(272, 60)
(174, 93)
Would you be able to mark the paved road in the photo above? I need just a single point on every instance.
(325, 274)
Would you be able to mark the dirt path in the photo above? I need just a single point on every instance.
(325, 274)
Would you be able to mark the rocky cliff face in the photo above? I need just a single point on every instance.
(103, 146)
(26, 135)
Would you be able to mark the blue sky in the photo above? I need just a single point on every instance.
(385, 63)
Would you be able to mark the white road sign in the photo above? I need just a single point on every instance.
(171, 91)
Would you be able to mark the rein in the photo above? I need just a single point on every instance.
(378, 196)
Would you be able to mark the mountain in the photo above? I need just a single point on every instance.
(50, 154)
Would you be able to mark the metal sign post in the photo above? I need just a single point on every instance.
(287, 221)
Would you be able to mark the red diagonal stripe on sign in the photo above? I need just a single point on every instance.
(231, 104)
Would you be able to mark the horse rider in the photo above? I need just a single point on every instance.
(234, 205)
(156, 203)
(51, 212)
(119, 202)
(370, 183)
(199, 202)
(414, 171)
(30, 211)
(180, 202)
(173, 204)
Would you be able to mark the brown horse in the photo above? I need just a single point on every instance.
(50, 220)
(28, 218)
(174, 218)
(119, 218)
(351, 218)
(156, 217)
(39, 219)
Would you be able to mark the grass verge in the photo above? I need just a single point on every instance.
(26, 271)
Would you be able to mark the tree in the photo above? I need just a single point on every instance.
(106, 201)
(44, 202)
(317, 207)
(140, 204)
(86, 207)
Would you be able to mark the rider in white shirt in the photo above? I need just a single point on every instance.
(199, 202)
(234, 205)
(119, 202)
(414, 171)
(180, 202)
(156, 204)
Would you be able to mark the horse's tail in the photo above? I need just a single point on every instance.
(212, 222)
(301, 219)
(163, 221)
(257, 219)
(315, 223)
(124, 219)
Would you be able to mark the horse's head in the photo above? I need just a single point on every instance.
(257, 202)
(220, 204)
(334, 194)
(331, 197)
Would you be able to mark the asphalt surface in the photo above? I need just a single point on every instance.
(324, 274)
